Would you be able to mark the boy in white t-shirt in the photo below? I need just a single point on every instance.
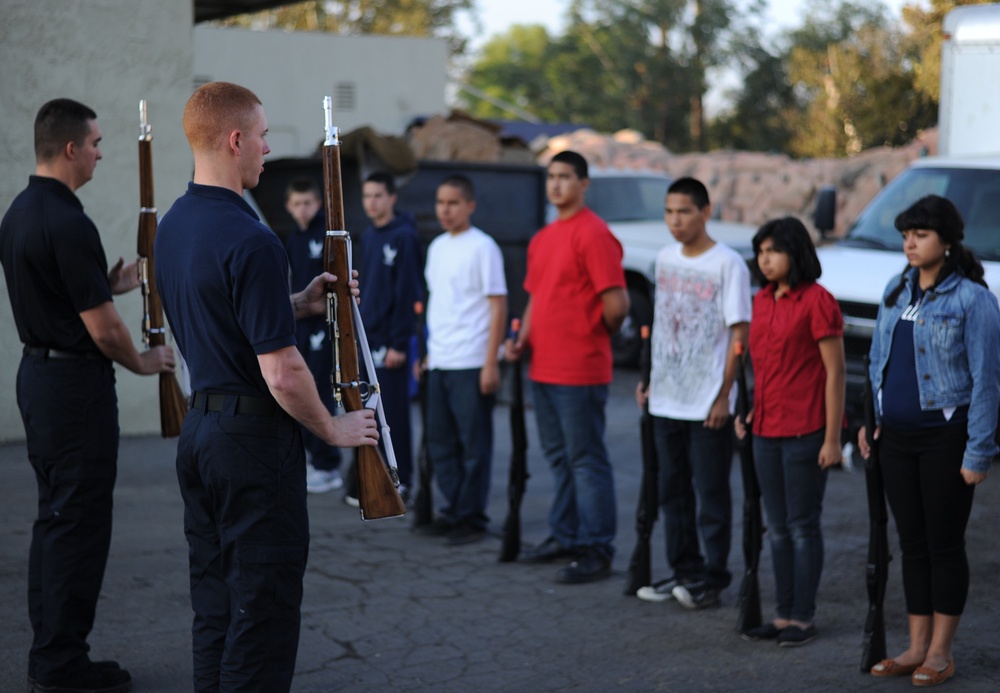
(466, 315)
(702, 306)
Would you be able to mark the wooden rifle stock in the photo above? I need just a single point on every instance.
(877, 567)
(173, 404)
(748, 614)
(377, 489)
(640, 571)
(423, 501)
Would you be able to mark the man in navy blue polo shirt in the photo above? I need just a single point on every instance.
(60, 293)
(223, 278)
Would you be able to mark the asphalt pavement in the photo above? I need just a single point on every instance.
(388, 610)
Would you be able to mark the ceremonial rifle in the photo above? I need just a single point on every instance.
(518, 476)
(640, 572)
(173, 405)
(748, 615)
(423, 503)
(378, 484)
(877, 568)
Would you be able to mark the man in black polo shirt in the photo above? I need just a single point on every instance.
(223, 279)
(60, 293)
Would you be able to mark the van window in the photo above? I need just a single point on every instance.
(627, 198)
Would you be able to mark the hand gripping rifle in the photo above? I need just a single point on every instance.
(748, 615)
(640, 570)
(423, 501)
(377, 485)
(173, 406)
(517, 479)
(877, 568)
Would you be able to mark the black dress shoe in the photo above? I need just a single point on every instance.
(93, 679)
(589, 567)
(546, 552)
(102, 664)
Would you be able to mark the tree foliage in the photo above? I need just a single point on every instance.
(424, 18)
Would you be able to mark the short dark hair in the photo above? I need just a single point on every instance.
(60, 121)
(693, 188)
(463, 184)
(302, 185)
(788, 235)
(385, 179)
(575, 160)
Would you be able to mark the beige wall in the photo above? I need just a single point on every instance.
(392, 79)
(107, 54)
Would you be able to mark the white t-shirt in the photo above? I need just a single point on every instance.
(697, 300)
(463, 270)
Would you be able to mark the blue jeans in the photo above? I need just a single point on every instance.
(460, 443)
(792, 485)
(695, 462)
(571, 430)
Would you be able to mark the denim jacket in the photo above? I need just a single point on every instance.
(956, 342)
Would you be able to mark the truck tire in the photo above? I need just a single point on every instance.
(626, 343)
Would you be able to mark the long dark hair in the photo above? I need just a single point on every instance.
(788, 235)
(938, 214)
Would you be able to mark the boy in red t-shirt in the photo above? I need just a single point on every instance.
(577, 298)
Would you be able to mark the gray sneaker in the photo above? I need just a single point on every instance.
(697, 595)
(661, 591)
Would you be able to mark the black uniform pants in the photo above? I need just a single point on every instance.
(70, 413)
(242, 478)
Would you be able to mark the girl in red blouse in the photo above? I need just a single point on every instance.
(797, 349)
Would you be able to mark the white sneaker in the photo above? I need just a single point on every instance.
(661, 591)
(321, 481)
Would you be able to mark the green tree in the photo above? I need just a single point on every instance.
(424, 18)
(853, 72)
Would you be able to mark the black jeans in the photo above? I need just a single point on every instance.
(931, 504)
(242, 478)
(70, 413)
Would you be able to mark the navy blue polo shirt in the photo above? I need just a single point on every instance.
(54, 265)
(223, 280)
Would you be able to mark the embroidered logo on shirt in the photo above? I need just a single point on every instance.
(316, 340)
(388, 255)
(315, 249)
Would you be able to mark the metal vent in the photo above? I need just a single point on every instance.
(345, 96)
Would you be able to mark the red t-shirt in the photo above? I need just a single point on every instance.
(789, 376)
(571, 262)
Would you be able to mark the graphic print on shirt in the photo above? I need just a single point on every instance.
(389, 255)
(687, 317)
(315, 249)
(378, 356)
(316, 340)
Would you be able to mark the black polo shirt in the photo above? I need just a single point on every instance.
(54, 264)
(223, 280)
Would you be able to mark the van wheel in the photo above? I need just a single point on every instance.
(626, 343)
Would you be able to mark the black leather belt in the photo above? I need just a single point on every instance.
(43, 352)
(238, 404)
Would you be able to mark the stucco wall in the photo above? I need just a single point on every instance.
(392, 79)
(107, 54)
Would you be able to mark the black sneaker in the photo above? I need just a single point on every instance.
(464, 534)
(767, 631)
(438, 528)
(546, 552)
(697, 595)
(793, 636)
(589, 567)
(93, 679)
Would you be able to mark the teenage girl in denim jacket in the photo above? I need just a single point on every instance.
(935, 369)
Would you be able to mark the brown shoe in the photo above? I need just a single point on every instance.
(889, 667)
(925, 676)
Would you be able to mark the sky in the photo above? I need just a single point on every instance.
(497, 15)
